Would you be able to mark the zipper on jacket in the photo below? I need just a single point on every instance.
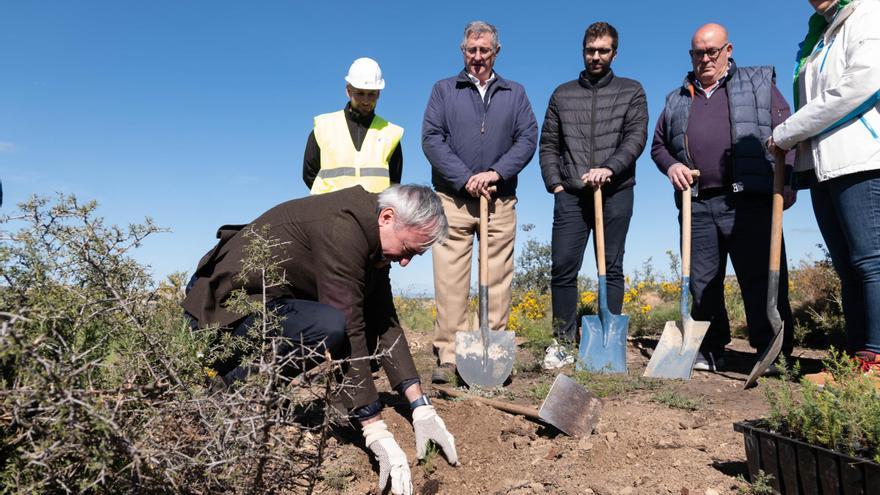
(593, 129)
(687, 148)
(868, 126)
(825, 57)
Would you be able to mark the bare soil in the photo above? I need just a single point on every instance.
(640, 445)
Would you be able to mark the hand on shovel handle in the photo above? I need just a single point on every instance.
(686, 227)
(680, 341)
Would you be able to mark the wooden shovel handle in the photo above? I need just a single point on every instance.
(529, 412)
(686, 228)
(484, 238)
(599, 230)
(776, 223)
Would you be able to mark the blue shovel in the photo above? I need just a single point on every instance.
(603, 336)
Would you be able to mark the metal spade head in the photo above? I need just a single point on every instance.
(677, 350)
(571, 408)
(603, 343)
(484, 358)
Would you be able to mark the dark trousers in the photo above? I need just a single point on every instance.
(737, 225)
(573, 219)
(309, 329)
(847, 210)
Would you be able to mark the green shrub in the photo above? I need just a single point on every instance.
(844, 415)
(614, 384)
(104, 385)
(416, 314)
(676, 400)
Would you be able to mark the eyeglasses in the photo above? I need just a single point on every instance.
(713, 53)
(474, 49)
(409, 252)
(601, 51)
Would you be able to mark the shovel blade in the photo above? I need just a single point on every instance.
(570, 408)
(677, 350)
(484, 364)
(772, 351)
(603, 344)
(766, 359)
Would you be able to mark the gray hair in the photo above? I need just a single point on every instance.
(480, 27)
(417, 207)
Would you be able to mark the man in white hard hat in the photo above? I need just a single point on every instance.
(354, 146)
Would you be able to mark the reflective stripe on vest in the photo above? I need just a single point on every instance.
(342, 165)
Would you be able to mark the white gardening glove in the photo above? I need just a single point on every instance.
(392, 460)
(428, 426)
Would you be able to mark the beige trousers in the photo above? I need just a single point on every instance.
(452, 268)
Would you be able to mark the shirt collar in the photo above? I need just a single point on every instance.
(477, 81)
(717, 84)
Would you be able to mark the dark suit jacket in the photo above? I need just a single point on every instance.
(330, 247)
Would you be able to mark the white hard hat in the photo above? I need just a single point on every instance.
(365, 73)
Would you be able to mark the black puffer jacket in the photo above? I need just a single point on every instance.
(591, 125)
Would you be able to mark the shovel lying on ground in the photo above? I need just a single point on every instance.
(568, 407)
(603, 336)
(484, 358)
(772, 351)
(679, 344)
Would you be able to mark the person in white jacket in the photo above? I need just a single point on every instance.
(836, 130)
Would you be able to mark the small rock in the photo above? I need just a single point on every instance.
(630, 455)
(553, 453)
(627, 491)
(685, 491)
(585, 444)
(667, 444)
(711, 491)
(537, 487)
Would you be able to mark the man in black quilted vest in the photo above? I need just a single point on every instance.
(716, 123)
(595, 128)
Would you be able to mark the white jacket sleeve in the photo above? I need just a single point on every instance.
(859, 81)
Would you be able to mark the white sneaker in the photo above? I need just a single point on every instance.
(557, 356)
(707, 362)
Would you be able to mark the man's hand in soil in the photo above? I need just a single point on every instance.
(429, 427)
(392, 460)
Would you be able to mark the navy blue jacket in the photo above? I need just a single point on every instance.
(463, 136)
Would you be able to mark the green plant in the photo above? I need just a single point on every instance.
(761, 485)
(416, 314)
(432, 453)
(539, 391)
(843, 415)
(533, 265)
(104, 384)
(337, 478)
(675, 400)
(614, 384)
(817, 304)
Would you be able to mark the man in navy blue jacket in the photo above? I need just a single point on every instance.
(479, 131)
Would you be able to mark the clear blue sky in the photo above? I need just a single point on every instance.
(196, 112)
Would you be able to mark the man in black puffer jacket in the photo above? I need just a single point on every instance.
(595, 128)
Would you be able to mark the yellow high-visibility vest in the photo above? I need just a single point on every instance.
(344, 166)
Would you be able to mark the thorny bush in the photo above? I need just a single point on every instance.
(104, 385)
